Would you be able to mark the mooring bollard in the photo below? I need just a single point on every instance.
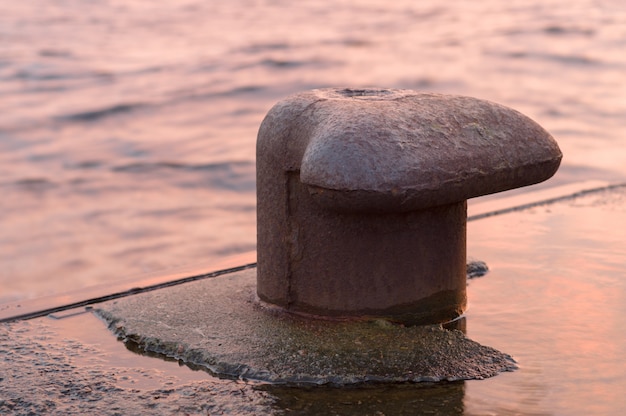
(362, 198)
(361, 221)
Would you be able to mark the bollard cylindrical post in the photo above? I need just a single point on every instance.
(361, 198)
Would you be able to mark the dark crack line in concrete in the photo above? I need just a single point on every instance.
(546, 201)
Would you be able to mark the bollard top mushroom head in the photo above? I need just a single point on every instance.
(385, 150)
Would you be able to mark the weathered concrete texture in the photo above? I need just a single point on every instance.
(217, 323)
(361, 197)
(44, 372)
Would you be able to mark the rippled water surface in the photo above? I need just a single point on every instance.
(127, 145)
(127, 135)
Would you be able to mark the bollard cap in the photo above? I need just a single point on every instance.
(387, 150)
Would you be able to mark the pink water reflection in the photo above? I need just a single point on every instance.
(555, 299)
(113, 114)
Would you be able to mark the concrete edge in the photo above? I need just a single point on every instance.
(547, 196)
(34, 308)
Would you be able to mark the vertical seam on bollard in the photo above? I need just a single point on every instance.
(290, 243)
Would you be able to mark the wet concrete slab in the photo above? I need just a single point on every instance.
(72, 365)
(553, 298)
(218, 323)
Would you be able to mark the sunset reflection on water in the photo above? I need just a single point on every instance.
(127, 146)
(127, 142)
(555, 299)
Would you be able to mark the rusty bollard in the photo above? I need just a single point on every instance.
(362, 198)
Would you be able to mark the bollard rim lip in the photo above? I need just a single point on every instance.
(393, 150)
(444, 317)
(399, 200)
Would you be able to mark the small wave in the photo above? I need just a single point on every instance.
(565, 30)
(191, 95)
(146, 167)
(55, 53)
(143, 167)
(349, 41)
(241, 90)
(85, 164)
(234, 176)
(356, 42)
(571, 59)
(94, 115)
(44, 72)
(280, 63)
(34, 184)
(262, 47)
(566, 59)
(233, 249)
(33, 75)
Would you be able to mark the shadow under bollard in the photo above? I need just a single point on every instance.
(402, 399)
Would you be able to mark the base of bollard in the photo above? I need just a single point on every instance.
(408, 267)
(219, 324)
(437, 308)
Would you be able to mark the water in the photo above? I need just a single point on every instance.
(127, 136)
(128, 129)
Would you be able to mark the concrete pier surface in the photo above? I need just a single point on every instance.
(553, 299)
